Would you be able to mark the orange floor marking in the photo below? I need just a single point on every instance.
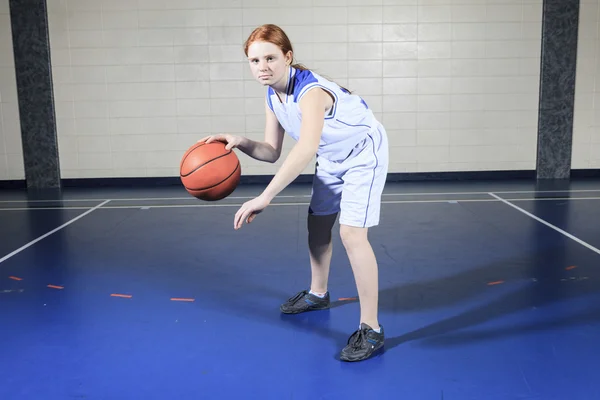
(55, 287)
(14, 278)
(571, 267)
(127, 296)
(495, 283)
(346, 298)
(181, 299)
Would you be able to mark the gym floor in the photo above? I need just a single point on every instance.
(488, 290)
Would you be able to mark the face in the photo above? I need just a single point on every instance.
(268, 63)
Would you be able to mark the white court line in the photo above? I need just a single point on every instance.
(6, 257)
(305, 196)
(202, 205)
(567, 234)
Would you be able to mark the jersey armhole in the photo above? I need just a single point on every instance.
(333, 109)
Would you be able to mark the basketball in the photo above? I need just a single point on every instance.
(210, 172)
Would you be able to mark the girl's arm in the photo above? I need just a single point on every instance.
(270, 149)
(312, 105)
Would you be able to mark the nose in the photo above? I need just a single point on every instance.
(262, 65)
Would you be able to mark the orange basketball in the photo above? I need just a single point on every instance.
(209, 172)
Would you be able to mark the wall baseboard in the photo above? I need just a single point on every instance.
(307, 178)
(13, 184)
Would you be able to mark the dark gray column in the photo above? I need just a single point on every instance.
(31, 43)
(560, 24)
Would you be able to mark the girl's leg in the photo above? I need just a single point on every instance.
(369, 337)
(364, 266)
(320, 250)
(364, 181)
(322, 214)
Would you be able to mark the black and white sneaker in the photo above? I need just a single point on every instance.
(362, 344)
(305, 301)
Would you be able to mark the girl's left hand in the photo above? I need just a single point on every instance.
(249, 210)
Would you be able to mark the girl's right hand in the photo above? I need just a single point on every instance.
(230, 140)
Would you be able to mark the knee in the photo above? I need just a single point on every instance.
(353, 236)
(319, 228)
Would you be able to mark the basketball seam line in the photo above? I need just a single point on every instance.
(218, 183)
(201, 165)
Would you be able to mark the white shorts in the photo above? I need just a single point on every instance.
(353, 186)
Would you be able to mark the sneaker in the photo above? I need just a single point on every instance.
(305, 301)
(362, 344)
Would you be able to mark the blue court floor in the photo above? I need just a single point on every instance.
(488, 291)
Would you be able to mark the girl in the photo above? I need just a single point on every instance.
(351, 147)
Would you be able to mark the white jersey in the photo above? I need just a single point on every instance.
(346, 124)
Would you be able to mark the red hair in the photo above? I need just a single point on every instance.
(272, 34)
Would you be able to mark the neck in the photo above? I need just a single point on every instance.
(282, 86)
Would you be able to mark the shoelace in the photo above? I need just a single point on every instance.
(297, 296)
(357, 339)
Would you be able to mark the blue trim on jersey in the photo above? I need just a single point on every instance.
(361, 99)
(347, 124)
(372, 180)
(269, 94)
(291, 83)
(335, 103)
(302, 78)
